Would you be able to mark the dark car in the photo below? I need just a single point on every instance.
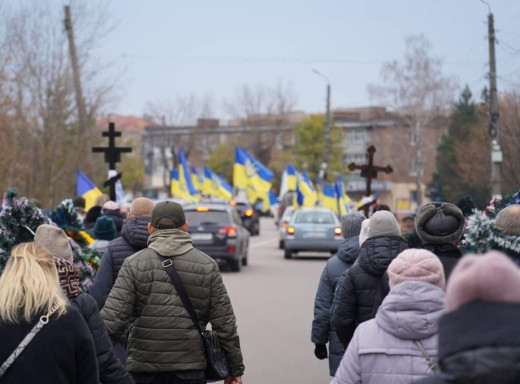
(249, 216)
(217, 230)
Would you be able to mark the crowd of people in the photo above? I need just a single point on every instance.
(441, 311)
(432, 303)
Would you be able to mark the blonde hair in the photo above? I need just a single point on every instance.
(29, 285)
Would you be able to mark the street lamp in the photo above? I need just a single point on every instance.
(326, 146)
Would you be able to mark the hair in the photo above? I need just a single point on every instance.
(166, 223)
(29, 285)
(142, 206)
(381, 207)
(102, 199)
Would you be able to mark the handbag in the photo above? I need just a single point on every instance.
(217, 367)
(26, 341)
(432, 364)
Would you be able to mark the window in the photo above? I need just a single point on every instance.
(415, 168)
(195, 218)
(314, 218)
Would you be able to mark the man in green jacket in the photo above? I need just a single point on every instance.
(164, 345)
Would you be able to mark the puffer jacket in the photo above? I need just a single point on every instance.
(162, 336)
(383, 350)
(134, 238)
(361, 285)
(448, 254)
(322, 332)
(483, 351)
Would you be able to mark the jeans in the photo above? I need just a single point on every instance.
(181, 377)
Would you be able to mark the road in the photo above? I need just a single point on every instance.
(273, 300)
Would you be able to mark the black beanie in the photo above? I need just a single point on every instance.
(105, 229)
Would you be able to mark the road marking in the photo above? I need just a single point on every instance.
(256, 245)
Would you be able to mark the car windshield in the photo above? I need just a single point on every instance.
(195, 218)
(314, 217)
(287, 214)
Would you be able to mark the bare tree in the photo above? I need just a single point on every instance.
(418, 92)
(509, 104)
(262, 107)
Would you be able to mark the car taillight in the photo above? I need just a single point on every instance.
(337, 232)
(228, 231)
(249, 212)
(290, 230)
(202, 209)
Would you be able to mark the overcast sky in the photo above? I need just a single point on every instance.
(167, 48)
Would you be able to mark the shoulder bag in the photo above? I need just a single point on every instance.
(217, 367)
(432, 364)
(26, 340)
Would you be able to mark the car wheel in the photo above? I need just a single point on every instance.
(235, 265)
(280, 244)
(287, 254)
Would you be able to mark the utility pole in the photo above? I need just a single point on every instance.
(80, 101)
(496, 152)
(326, 133)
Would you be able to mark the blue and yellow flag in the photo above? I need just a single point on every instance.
(306, 194)
(292, 178)
(328, 198)
(196, 179)
(181, 185)
(253, 176)
(215, 185)
(87, 189)
(341, 197)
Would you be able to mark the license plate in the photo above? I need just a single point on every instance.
(315, 235)
(202, 236)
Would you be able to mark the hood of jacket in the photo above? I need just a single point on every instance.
(411, 311)
(348, 250)
(377, 252)
(135, 231)
(170, 242)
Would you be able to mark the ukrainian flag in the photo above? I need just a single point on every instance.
(215, 185)
(174, 183)
(87, 189)
(183, 187)
(306, 195)
(253, 176)
(328, 198)
(342, 198)
(292, 178)
(196, 179)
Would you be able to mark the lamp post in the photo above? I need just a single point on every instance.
(326, 146)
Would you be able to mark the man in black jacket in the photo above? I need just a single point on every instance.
(440, 227)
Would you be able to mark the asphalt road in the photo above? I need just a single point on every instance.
(273, 300)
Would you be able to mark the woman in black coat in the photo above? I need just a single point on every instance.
(62, 352)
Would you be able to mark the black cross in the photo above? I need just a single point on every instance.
(370, 172)
(112, 156)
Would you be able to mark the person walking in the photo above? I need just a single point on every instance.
(348, 251)
(440, 227)
(103, 233)
(61, 350)
(55, 241)
(361, 286)
(479, 335)
(164, 345)
(399, 345)
(112, 210)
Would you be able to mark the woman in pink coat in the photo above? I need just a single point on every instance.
(399, 346)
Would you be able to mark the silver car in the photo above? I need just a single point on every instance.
(284, 223)
(312, 229)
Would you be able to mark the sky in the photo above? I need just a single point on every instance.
(164, 49)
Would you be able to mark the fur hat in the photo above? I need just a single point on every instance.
(416, 265)
(55, 240)
(490, 277)
(383, 223)
(351, 224)
(105, 229)
(363, 233)
(439, 223)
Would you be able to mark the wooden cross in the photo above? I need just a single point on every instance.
(370, 172)
(112, 156)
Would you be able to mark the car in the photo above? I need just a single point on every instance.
(217, 230)
(284, 223)
(250, 217)
(312, 229)
(285, 202)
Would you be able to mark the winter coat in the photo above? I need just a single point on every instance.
(322, 332)
(479, 343)
(111, 370)
(100, 246)
(117, 217)
(448, 254)
(61, 353)
(163, 337)
(383, 350)
(361, 285)
(134, 238)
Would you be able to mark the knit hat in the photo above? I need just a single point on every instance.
(105, 229)
(490, 277)
(79, 202)
(55, 240)
(351, 224)
(363, 233)
(416, 265)
(383, 223)
(439, 223)
(92, 214)
(68, 276)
